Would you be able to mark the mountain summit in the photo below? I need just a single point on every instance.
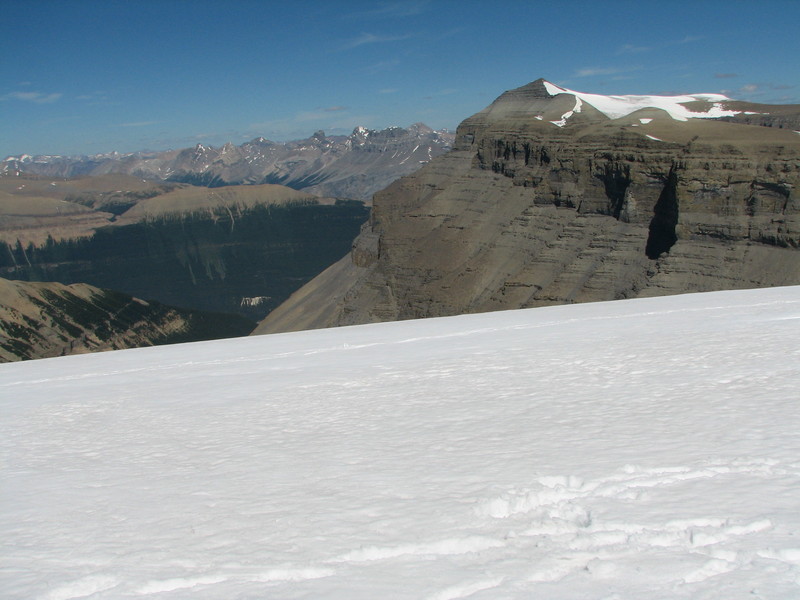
(549, 103)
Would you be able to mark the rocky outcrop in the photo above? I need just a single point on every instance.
(40, 320)
(546, 199)
(354, 166)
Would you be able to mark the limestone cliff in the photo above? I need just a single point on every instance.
(552, 196)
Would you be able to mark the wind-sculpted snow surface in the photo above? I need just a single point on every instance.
(642, 448)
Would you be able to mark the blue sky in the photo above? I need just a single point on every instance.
(87, 77)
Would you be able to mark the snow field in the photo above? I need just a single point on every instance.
(615, 107)
(610, 450)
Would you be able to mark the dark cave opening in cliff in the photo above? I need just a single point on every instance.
(665, 219)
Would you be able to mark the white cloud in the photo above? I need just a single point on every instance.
(689, 39)
(631, 49)
(378, 67)
(36, 97)
(444, 92)
(97, 97)
(593, 71)
(371, 38)
(392, 10)
(310, 115)
(139, 124)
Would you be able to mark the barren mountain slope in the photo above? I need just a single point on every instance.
(553, 196)
(33, 208)
(40, 320)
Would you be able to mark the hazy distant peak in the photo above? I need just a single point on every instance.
(325, 165)
(421, 128)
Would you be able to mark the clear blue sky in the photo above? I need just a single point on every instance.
(86, 77)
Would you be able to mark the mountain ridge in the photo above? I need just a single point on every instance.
(353, 166)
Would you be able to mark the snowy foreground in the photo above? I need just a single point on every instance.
(635, 449)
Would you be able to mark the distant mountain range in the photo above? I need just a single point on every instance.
(354, 166)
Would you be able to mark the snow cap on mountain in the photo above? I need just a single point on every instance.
(616, 107)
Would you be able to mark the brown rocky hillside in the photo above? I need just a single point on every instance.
(40, 320)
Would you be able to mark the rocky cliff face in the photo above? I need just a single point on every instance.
(354, 166)
(41, 320)
(552, 196)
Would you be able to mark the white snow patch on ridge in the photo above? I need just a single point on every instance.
(498, 455)
(616, 107)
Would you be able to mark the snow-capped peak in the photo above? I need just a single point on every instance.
(20, 158)
(616, 107)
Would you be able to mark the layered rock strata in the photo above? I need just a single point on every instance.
(553, 197)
